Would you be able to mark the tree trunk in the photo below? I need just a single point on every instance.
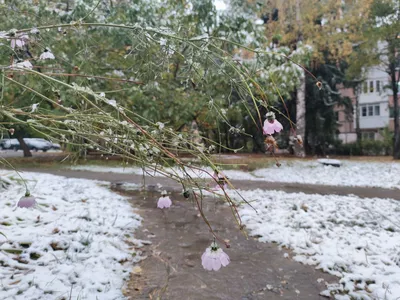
(356, 90)
(301, 114)
(300, 94)
(24, 147)
(396, 142)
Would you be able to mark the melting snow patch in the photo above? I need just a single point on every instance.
(355, 239)
(76, 244)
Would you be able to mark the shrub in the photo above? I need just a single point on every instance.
(368, 147)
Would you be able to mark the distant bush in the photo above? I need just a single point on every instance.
(347, 149)
(369, 147)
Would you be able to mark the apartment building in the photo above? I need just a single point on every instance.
(375, 108)
(374, 104)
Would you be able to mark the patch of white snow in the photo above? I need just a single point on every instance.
(353, 238)
(72, 246)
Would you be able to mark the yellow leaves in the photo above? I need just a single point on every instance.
(347, 48)
(331, 25)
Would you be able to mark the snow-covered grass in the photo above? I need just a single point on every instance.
(77, 243)
(353, 238)
(106, 169)
(351, 173)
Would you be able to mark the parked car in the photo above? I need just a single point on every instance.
(9, 144)
(52, 145)
(33, 144)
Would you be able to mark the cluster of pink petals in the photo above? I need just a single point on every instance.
(27, 202)
(46, 55)
(213, 258)
(271, 127)
(19, 41)
(164, 202)
(23, 64)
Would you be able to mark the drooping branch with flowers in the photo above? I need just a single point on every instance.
(83, 83)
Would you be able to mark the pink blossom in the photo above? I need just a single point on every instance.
(214, 257)
(27, 201)
(272, 126)
(19, 41)
(164, 201)
(46, 55)
(23, 64)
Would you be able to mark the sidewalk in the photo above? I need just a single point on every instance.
(363, 192)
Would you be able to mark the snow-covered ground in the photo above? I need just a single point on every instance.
(353, 238)
(105, 169)
(351, 173)
(77, 243)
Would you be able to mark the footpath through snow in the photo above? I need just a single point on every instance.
(351, 173)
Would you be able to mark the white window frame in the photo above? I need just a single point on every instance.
(368, 135)
(371, 87)
(370, 110)
(362, 107)
(365, 87)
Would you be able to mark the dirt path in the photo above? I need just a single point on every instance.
(179, 236)
(363, 192)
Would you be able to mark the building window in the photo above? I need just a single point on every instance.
(337, 116)
(378, 86)
(364, 111)
(377, 110)
(365, 87)
(371, 86)
(370, 110)
(368, 135)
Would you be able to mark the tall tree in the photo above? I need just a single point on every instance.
(380, 48)
(330, 27)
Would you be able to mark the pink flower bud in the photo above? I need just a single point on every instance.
(214, 257)
(271, 127)
(164, 201)
(27, 202)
